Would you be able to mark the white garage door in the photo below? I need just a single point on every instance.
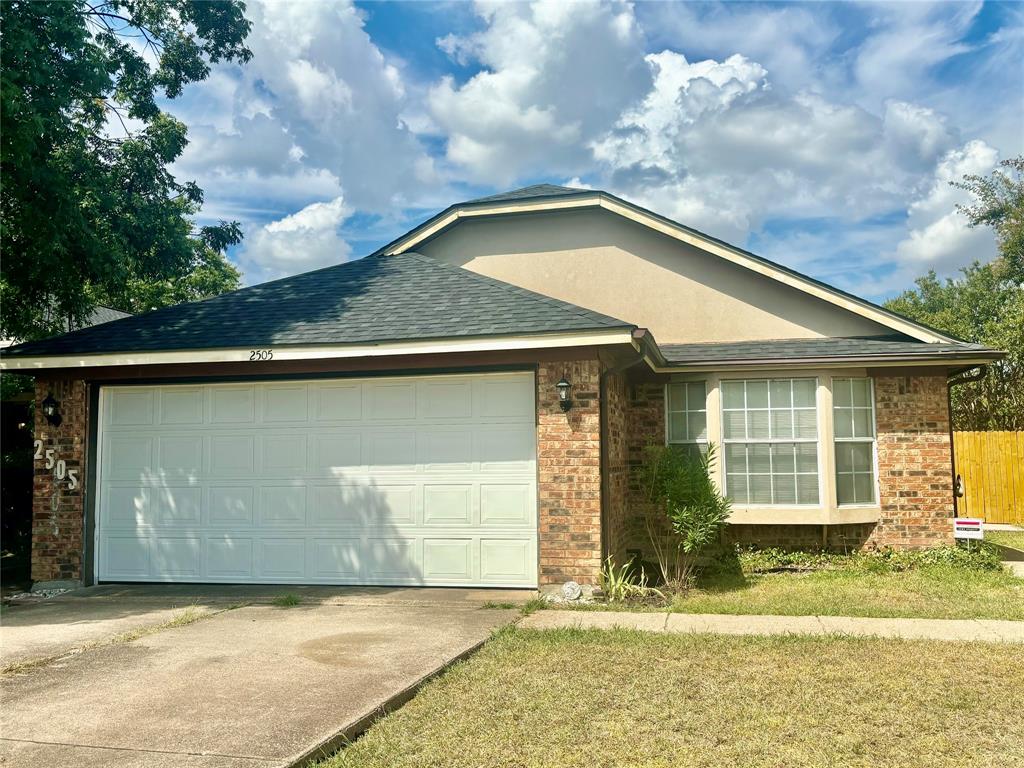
(412, 480)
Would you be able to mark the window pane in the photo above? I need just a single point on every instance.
(785, 489)
(864, 488)
(757, 394)
(696, 395)
(841, 393)
(782, 424)
(736, 487)
(844, 489)
(861, 391)
(782, 459)
(734, 425)
(760, 489)
(677, 397)
(697, 426)
(844, 457)
(781, 392)
(803, 393)
(805, 424)
(843, 419)
(757, 424)
(860, 454)
(677, 426)
(807, 489)
(732, 394)
(736, 459)
(807, 457)
(758, 458)
(862, 422)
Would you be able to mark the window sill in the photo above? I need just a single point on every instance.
(803, 515)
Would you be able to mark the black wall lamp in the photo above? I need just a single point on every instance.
(564, 394)
(51, 410)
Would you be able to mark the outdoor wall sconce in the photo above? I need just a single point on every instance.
(50, 410)
(564, 394)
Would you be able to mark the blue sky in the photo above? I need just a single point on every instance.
(819, 135)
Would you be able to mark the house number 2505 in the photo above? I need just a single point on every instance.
(59, 466)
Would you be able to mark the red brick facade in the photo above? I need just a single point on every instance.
(569, 473)
(913, 458)
(58, 519)
(915, 474)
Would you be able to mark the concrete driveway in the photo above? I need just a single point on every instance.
(256, 685)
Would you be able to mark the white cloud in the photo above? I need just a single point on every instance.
(305, 240)
(939, 237)
(554, 75)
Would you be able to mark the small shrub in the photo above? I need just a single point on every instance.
(979, 557)
(689, 511)
(625, 582)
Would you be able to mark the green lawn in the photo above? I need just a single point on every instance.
(1011, 539)
(566, 698)
(932, 593)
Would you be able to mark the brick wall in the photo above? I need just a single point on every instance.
(58, 512)
(914, 462)
(569, 469)
(617, 478)
(646, 426)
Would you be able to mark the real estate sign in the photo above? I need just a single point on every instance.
(968, 528)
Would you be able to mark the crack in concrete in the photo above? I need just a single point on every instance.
(272, 760)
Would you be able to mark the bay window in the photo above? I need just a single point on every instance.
(853, 416)
(770, 438)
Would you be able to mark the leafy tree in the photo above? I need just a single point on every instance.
(1000, 205)
(89, 211)
(984, 305)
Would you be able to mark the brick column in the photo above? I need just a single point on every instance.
(58, 513)
(569, 474)
(914, 462)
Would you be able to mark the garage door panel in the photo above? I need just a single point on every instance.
(335, 454)
(130, 457)
(233, 405)
(338, 559)
(229, 557)
(283, 506)
(339, 402)
(180, 457)
(448, 559)
(231, 506)
(177, 557)
(182, 406)
(285, 403)
(364, 481)
(232, 455)
(132, 407)
(283, 454)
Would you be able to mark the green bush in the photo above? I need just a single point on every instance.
(686, 510)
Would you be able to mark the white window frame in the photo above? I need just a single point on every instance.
(873, 440)
(687, 410)
(816, 441)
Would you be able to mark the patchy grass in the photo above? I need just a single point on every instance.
(568, 698)
(530, 606)
(928, 593)
(182, 618)
(286, 601)
(1011, 539)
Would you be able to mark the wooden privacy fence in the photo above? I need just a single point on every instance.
(991, 465)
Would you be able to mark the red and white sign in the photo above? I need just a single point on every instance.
(968, 528)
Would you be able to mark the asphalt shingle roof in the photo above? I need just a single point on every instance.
(784, 350)
(370, 300)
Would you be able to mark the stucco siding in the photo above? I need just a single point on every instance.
(603, 262)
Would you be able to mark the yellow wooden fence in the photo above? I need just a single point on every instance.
(991, 465)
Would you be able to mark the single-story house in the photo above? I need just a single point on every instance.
(466, 405)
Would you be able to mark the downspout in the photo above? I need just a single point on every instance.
(641, 336)
(952, 381)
